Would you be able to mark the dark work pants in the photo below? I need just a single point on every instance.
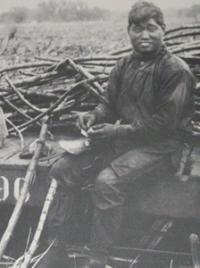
(111, 181)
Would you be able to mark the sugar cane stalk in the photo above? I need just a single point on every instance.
(98, 58)
(186, 27)
(22, 97)
(89, 88)
(46, 59)
(36, 78)
(25, 115)
(24, 66)
(182, 35)
(19, 133)
(48, 111)
(34, 244)
(183, 48)
(121, 51)
(84, 72)
(90, 63)
(19, 204)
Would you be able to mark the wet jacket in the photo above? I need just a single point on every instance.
(155, 96)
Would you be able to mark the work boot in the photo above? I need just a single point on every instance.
(95, 259)
(55, 257)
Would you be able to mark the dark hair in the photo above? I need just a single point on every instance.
(142, 11)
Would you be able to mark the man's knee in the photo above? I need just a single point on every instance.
(107, 191)
(106, 178)
(66, 171)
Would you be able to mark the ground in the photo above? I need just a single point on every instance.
(74, 39)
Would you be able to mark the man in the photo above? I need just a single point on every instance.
(137, 134)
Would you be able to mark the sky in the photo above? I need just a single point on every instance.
(116, 5)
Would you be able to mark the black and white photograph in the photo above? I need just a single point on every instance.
(100, 134)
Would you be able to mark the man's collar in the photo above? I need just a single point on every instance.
(150, 56)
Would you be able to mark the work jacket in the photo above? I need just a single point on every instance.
(155, 95)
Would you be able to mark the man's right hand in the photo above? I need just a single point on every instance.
(86, 120)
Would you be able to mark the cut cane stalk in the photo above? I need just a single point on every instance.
(25, 115)
(28, 179)
(49, 198)
(19, 133)
(21, 97)
(84, 72)
(55, 105)
(24, 66)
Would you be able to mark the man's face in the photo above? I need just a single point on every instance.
(146, 37)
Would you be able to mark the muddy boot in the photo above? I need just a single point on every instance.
(94, 259)
(55, 257)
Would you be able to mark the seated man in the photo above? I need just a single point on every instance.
(137, 133)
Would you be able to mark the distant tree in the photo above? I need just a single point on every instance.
(46, 10)
(69, 11)
(15, 15)
(99, 13)
(195, 12)
(19, 14)
(53, 10)
(82, 11)
(66, 10)
(180, 13)
(4, 17)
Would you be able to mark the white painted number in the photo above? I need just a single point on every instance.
(17, 188)
(4, 188)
